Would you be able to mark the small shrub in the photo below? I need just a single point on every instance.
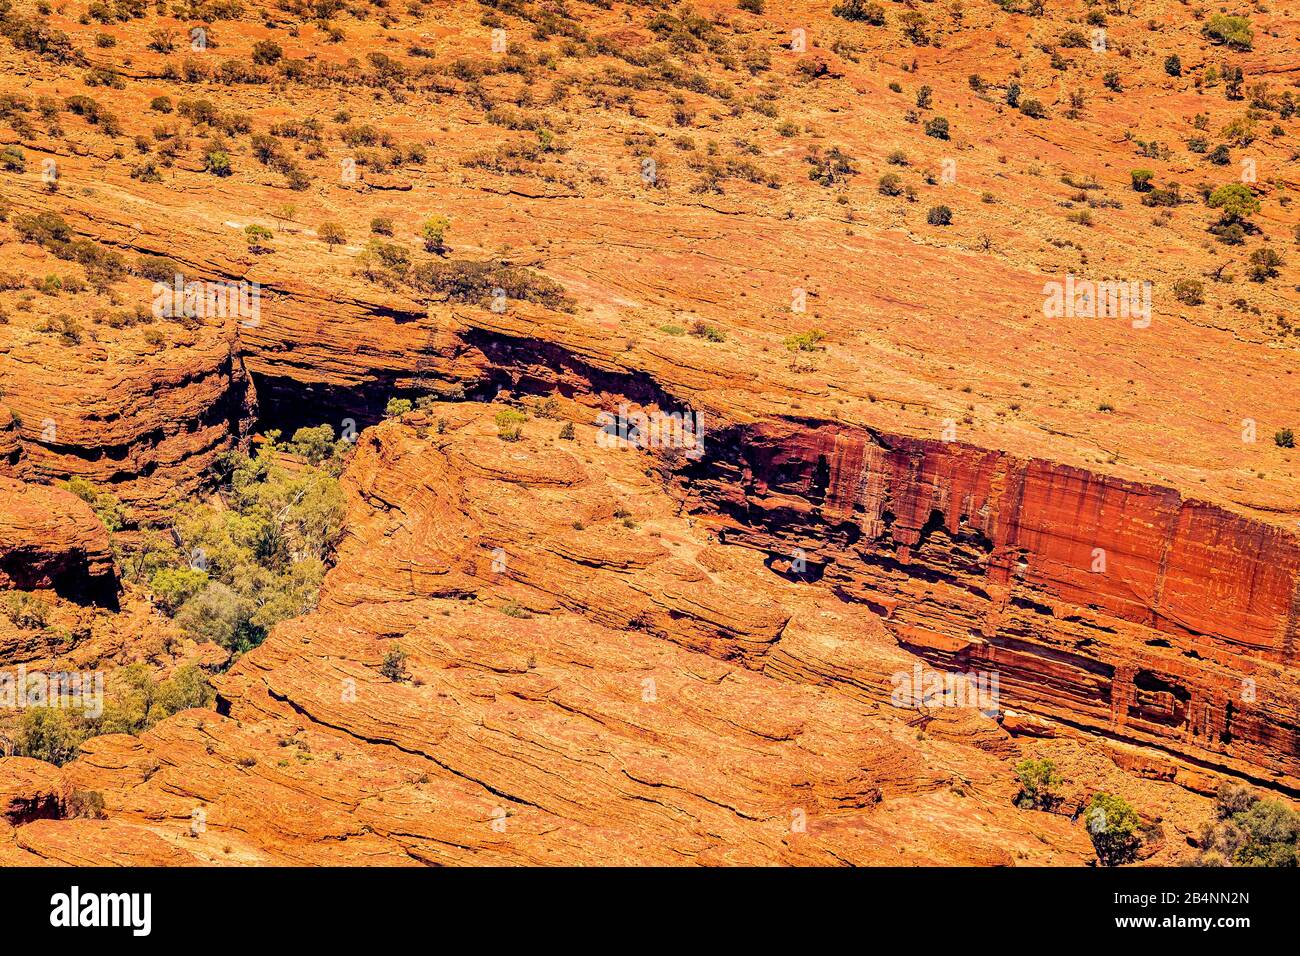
(1038, 785)
(510, 424)
(860, 11)
(937, 127)
(394, 665)
(1233, 32)
(939, 216)
(1189, 291)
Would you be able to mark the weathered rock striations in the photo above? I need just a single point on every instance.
(1122, 608)
(51, 540)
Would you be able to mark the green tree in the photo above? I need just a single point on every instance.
(1235, 201)
(172, 587)
(433, 231)
(1113, 826)
(1038, 784)
(332, 234)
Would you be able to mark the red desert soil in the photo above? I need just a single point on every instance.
(638, 656)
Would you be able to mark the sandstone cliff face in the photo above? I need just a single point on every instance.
(51, 540)
(1102, 533)
(1118, 607)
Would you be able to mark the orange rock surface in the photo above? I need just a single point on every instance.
(642, 656)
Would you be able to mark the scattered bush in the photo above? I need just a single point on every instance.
(332, 234)
(1038, 785)
(1189, 291)
(133, 702)
(860, 11)
(510, 424)
(1141, 179)
(1233, 32)
(939, 216)
(1248, 831)
(394, 665)
(1264, 263)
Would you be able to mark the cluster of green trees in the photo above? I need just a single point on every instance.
(229, 569)
(1245, 831)
(133, 702)
(1248, 831)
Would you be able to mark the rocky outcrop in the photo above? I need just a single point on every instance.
(51, 540)
(1119, 607)
(580, 679)
(29, 790)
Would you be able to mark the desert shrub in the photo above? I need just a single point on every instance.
(1141, 179)
(381, 226)
(860, 11)
(1230, 31)
(891, 184)
(1264, 263)
(394, 665)
(831, 167)
(1032, 108)
(397, 407)
(1189, 291)
(806, 341)
(1173, 65)
(31, 612)
(12, 159)
(157, 268)
(1235, 202)
(1248, 831)
(332, 234)
(709, 333)
(1113, 827)
(939, 216)
(1219, 156)
(258, 237)
(1039, 783)
(84, 804)
(217, 162)
(1112, 81)
(133, 702)
(103, 503)
(1284, 438)
(432, 231)
(479, 282)
(267, 53)
(510, 424)
(938, 128)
